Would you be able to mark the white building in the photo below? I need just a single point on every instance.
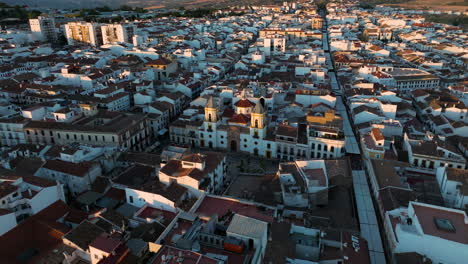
(433, 153)
(274, 45)
(453, 185)
(77, 177)
(44, 27)
(25, 196)
(83, 33)
(117, 33)
(436, 232)
(11, 131)
(197, 172)
(248, 129)
(304, 183)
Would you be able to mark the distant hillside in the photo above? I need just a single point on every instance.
(79, 4)
(454, 5)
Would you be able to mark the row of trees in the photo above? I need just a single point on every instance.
(19, 12)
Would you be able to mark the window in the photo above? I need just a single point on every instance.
(319, 147)
(268, 145)
(131, 199)
(332, 149)
(444, 225)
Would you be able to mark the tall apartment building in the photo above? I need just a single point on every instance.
(44, 27)
(83, 33)
(115, 33)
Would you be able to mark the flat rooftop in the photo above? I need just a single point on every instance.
(220, 206)
(163, 216)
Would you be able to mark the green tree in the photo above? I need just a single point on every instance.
(126, 8)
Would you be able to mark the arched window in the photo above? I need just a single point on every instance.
(256, 123)
(209, 117)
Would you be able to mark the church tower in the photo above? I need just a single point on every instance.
(258, 121)
(211, 114)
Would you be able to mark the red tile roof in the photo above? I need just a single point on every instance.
(105, 243)
(427, 214)
(244, 103)
(377, 134)
(40, 231)
(77, 169)
(240, 119)
(220, 206)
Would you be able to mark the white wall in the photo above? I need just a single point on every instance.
(7, 222)
(46, 197)
(140, 198)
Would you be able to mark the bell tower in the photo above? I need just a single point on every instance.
(258, 121)
(211, 111)
(211, 115)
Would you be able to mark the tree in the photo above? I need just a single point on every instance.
(34, 14)
(126, 8)
(104, 9)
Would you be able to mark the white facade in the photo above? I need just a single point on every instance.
(117, 33)
(412, 237)
(140, 198)
(452, 188)
(44, 27)
(83, 33)
(30, 195)
(7, 222)
(75, 183)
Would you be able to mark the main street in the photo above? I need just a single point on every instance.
(368, 223)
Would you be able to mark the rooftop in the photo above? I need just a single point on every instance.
(218, 205)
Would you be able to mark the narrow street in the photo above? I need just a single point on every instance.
(369, 226)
